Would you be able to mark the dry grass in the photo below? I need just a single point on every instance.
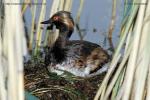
(127, 78)
(130, 78)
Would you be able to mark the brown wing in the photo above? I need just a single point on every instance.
(87, 54)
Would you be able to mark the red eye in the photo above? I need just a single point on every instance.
(55, 18)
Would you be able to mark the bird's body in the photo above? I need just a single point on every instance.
(81, 58)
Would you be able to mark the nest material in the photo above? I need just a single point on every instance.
(47, 86)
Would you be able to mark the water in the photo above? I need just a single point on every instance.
(96, 14)
(95, 19)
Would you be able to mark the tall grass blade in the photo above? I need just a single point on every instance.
(39, 30)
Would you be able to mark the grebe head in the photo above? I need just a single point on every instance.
(63, 21)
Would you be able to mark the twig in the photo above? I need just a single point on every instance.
(112, 24)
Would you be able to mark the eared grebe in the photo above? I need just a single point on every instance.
(81, 58)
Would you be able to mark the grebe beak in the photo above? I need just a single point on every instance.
(47, 22)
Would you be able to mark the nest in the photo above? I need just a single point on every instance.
(45, 85)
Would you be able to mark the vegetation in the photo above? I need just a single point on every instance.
(130, 79)
(128, 76)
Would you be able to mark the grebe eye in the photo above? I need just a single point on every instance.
(55, 18)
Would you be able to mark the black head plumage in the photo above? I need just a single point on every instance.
(63, 21)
